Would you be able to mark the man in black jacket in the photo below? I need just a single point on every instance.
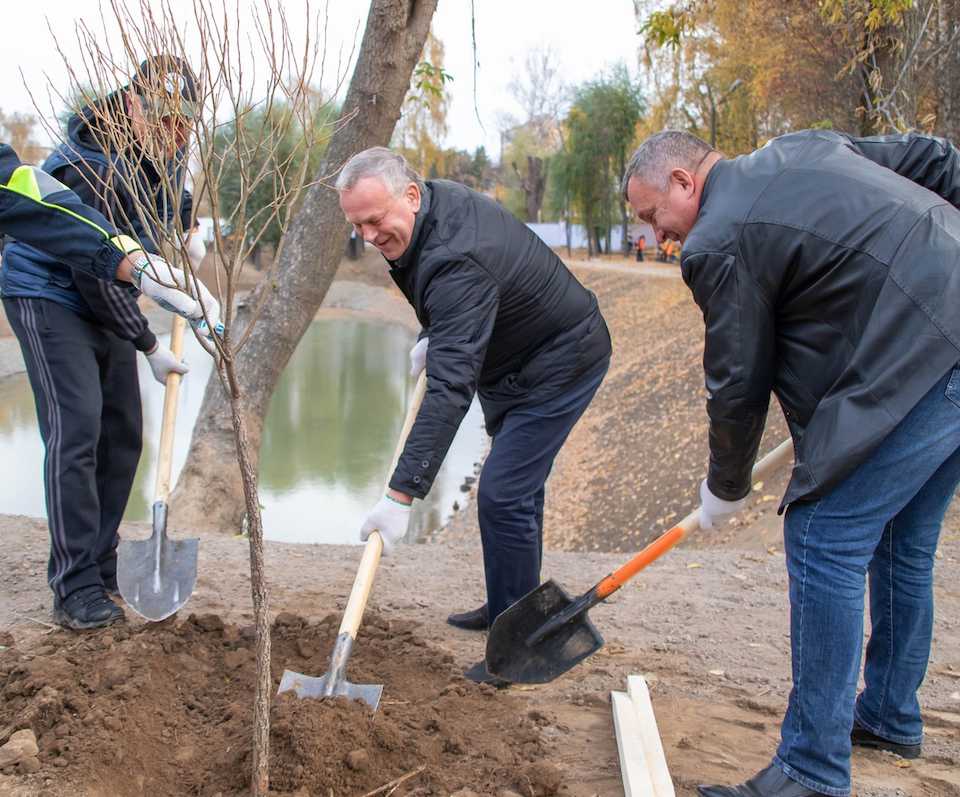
(501, 316)
(826, 267)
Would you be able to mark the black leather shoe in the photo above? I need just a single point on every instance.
(110, 587)
(88, 607)
(861, 737)
(769, 783)
(475, 620)
(479, 674)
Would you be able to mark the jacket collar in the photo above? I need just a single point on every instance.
(413, 249)
(710, 182)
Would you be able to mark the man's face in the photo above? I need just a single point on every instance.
(671, 212)
(169, 134)
(379, 217)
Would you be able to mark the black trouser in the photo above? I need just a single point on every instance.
(84, 381)
(512, 486)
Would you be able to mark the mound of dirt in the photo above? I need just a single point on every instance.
(166, 709)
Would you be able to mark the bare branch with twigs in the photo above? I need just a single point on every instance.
(257, 118)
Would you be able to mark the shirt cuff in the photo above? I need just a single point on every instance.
(145, 341)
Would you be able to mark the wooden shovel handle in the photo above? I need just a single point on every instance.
(670, 538)
(170, 398)
(363, 582)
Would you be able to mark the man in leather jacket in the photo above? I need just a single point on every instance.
(502, 317)
(827, 268)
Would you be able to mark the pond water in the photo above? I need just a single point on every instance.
(329, 437)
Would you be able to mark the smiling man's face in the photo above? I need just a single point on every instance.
(672, 211)
(379, 217)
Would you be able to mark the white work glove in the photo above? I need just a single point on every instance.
(391, 519)
(156, 278)
(196, 250)
(713, 509)
(418, 357)
(163, 363)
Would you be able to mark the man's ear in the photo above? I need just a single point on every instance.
(412, 195)
(683, 180)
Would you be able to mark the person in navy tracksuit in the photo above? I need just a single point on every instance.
(80, 333)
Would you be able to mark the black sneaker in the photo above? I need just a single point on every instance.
(87, 607)
(861, 737)
(474, 620)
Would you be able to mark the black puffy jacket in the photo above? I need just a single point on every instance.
(505, 317)
(828, 271)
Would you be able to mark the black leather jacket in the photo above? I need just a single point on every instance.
(827, 268)
(505, 318)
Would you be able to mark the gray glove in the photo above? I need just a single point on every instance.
(163, 283)
(163, 363)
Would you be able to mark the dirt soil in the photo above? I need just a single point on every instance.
(164, 709)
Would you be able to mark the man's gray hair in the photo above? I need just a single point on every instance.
(660, 154)
(390, 167)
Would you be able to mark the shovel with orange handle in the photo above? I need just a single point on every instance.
(547, 632)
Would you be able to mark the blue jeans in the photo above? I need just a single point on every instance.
(882, 522)
(511, 491)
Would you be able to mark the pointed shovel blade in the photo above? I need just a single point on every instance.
(512, 656)
(311, 686)
(156, 576)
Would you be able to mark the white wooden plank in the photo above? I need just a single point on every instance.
(650, 740)
(633, 763)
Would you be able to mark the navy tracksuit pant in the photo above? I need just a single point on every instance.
(511, 491)
(85, 386)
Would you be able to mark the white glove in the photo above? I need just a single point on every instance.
(713, 509)
(163, 283)
(163, 363)
(418, 357)
(391, 519)
(196, 250)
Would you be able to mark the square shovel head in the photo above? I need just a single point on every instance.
(157, 576)
(511, 658)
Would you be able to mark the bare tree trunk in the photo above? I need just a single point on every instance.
(260, 775)
(209, 492)
(533, 185)
(947, 71)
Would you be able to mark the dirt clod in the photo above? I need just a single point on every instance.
(358, 760)
(541, 779)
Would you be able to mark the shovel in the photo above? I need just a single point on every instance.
(156, 576)
(547, 632)
(334, 683)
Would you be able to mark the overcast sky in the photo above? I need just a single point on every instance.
(586, 36)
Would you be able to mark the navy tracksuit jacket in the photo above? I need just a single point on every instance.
(79, 337)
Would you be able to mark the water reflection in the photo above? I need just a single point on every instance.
(329, 436)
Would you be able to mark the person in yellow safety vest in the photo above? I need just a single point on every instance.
(42, 212)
